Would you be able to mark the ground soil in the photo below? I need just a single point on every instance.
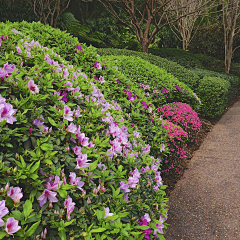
(207, 125)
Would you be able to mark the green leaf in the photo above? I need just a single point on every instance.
(23, 162)
(142, 227)
(62, 193)
(52, 121)
(93, 166)
(46, 147)
(98, 230)
(62, 234)
(17, 215)
(124, 232)
(2, 235)
(27, 208)
(48, 162)
(67, 187)
(32, 229)
(35, 167)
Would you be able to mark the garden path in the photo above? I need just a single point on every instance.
(205, 204)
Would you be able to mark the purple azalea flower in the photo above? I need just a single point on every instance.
(64, 96)
(164, 90)
(144, 104)
(77, 150)
(47, 195)
(178, 88)
(162, 148)
(124, 186)
(12, 226)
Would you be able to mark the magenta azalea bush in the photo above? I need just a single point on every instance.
(71, 165)
(183, 115)
(178, 138)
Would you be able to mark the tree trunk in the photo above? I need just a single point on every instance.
(145, 45)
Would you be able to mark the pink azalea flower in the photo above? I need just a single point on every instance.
(7, 112)
(77, 150)
(9, 68)
(107, 213)
(15, 193)
(76, 181)
(164, 90)
(82, 139)
(73, 128)
(12, 226)
(82, 161)
(32, 86)
(97, 65)
(47, 195)
(3, 212)
(3, 74)
(178, 88)
(69, 205)
(67, 114)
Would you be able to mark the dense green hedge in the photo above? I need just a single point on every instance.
(234, 81)
(140, 72)
(181, 73)
(213, 92)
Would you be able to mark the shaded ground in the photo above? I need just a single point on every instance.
(207, 126)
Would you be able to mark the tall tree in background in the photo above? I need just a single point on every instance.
(43, 9)
(186, 27)
(140, 14)
(231, 24)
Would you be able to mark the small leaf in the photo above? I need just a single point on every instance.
(35, 167)
(32, 229)
(27, 208)
(62, 234)
(67, 187)
(93, 166)
(62, 193)
(2, 235)
(46, 147)
(52, 121)
(17, 215)
(98, 230)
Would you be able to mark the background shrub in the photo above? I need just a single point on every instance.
(179, 72)
(234, 81)
(213, 92)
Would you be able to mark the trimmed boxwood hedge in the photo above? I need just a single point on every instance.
(213, 92)
(181, 73)
(233, 80)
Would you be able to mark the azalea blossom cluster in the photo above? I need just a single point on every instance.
(6, 111)
(145, 220)
(6, 71)
(182, 114)
(177, 142)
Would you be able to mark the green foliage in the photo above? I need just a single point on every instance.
(234, 81)
(16, 12)
(179, 72)
(213, 92)
(140, 71)
(113, 33)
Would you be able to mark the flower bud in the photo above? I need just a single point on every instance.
(16, 156)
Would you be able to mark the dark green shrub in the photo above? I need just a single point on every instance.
(141, 72)
(181, 73)
(181, 57)
(213, 93)
(234, 81)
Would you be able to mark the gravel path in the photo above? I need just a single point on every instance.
(205, 204)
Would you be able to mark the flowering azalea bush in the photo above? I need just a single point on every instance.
(178, 138)
(183, 115)
(71, 165)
